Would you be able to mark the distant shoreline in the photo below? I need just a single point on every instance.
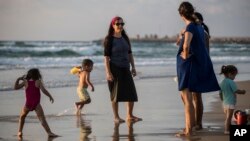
(230, 40)
(241, 40)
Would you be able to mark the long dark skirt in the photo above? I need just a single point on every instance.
(122, 88)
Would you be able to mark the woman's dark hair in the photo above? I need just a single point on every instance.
(186, 10)
(228, 69)
(34, 74)
(109, 38)
(200, 17)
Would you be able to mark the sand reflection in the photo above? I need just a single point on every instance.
(85, 128)
(130, 134)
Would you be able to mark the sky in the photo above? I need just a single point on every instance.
(85, 20)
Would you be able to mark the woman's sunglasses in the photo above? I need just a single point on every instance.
(117, 24)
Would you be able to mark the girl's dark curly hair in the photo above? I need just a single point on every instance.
(228, 69)
(34, 74)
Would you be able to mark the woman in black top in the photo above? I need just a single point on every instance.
(118, 57)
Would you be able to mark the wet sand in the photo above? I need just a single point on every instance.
(159, 105)
(215, 118)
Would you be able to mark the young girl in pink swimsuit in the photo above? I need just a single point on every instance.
(33, 84)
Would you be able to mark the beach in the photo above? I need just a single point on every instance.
(159, 105)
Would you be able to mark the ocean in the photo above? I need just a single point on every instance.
(60, 56)
(159, 103)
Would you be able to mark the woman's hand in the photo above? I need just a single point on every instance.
(180, 36)
(183, 55)
(109, 77)
(133, 71)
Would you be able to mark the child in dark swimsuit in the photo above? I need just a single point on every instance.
(33, 84)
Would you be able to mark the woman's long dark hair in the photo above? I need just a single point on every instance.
(109, 38)
(200, 17)
(186, 10)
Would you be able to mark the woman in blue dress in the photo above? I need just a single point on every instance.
(194, 66)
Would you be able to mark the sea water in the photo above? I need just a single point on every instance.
(159, 103)
(56, 58)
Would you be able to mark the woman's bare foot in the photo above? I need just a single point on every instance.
(119, 120)
(134, 118)
(52, 135)
(198, 127)
(78, 112)
(183, 133)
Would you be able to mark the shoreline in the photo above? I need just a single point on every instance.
(157, 97)
(53, 79)
(216, 40)
(152, 38)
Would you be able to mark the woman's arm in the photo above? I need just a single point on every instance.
(44, 90)
(180, 36)
(109, 75)
(186, 45)
(131, 59)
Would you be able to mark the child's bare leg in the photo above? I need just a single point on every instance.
(79, 106)
(23, 114)
(76, 105)
(80, 109)
(41, 117)
(229, 114)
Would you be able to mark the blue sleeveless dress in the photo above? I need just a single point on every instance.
(196, 72)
